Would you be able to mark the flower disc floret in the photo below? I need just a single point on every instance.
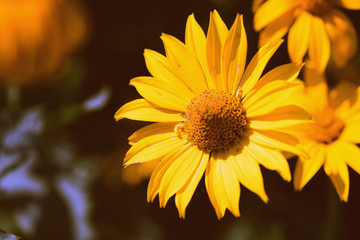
(329, 128)
(214, 119)
(316, 7)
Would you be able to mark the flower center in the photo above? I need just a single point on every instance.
(329, 127)
(316, 7)
(214, 119)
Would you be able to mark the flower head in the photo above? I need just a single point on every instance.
(213, 117)
(331, 140)
(314, 26)
(37, 37)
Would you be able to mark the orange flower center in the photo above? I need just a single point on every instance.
(214, 119)
(316, 7)
(329, 127)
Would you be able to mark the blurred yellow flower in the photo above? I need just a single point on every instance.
(36, 37)
(136, 173)
(331, 140)
(115, 176)
(312, 25)
(212, 116)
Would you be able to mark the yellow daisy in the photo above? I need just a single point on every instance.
(212, 116)
(312, 25)
(37, 37)
(330, 141)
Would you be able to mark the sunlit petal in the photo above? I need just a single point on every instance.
(349, 4)
(222, 186)
(233, 56)
(277, 28)
(152, 129)
(184, 195)
(271, 159)
(195, 39)
(319, 44)
(307, 168)
(216, 36)
(155, 151)
(247, 170)
(335, 167)
(257, 65)
(270, 11)
(343, 36)
(159, 93)
(277, 140)
(185, 64)
(298, 38)
(161, 69)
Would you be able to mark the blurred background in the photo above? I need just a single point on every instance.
(65, 67)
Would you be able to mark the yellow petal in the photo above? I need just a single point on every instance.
(257, 65)
(216, 36)
(346, 101)
(281, 125)
(233, 57)
(277, 28)
(316, 89)
(152, 129)
(179, 172)
(143, 110)
(220, 27)
(319, 44)
(349, 4)
(351, 154)
(336, 168)
(306, 168)
(289, 119)
(287, 72)
(345, 93)
(156, 151)
(247, 171)
(148, 142)
(210, 178)
(232, 187)
(195, 40)
(278, 141)
(222, 185)
(351, 132)
(289, 112)
(184, 195)
(275, 94)
(256, 4)
(270, 11)
(161, 69)
(271, 159)
(343, 37)
(160, 93)
(158, 173)
(298, 37)
(184, 63)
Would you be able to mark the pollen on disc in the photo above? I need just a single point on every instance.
(214, 119)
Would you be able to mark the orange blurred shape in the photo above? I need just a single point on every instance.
(115, 176)
(36, 38)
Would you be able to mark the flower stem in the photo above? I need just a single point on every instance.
(332, 222)
(13, 96)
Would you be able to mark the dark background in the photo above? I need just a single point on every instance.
(113, 54)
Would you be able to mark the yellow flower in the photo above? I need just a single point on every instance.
(312, 25)
(115, 176)
(330, 141)
(212, 116)
(36, 38)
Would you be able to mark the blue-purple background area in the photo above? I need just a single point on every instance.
(53, 148)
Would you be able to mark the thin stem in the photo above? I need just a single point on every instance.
(332, 223)
(13, 95)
